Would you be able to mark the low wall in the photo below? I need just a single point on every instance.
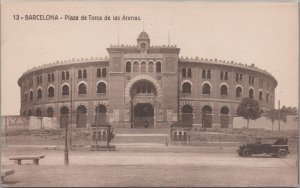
(264, 123)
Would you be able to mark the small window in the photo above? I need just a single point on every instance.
(150, 67)
(67, 75)
(260, 95)
(63, 77)
(98, 72)
(224, 90)
(208, 74)
(203, 73)
(183, 72)
(79, 73)
(39, 93)
(82, 89)
(101, 87)
(251, 93)
(236, 77)
(226, 75)
(221, 75)
(136, 67)
(65, 90)
(189, 73)
(238, 92)
(31, 95)
(49, 78)
(51, 92)
(206, 88)
(84, 73)
(52, 77)
(186, 88)
(143, 67)
(104, 72)
(128, 67)
(158, 67)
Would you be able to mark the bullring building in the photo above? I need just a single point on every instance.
(144, 86)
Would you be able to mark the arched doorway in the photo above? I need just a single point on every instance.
(224, 117)
(81, 116)
(143, 115)
(100, 114)
(143, 96)
(187, 114)
(207, 116)
(64, 117)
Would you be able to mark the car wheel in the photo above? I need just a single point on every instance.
(282, 153)
(246, 153)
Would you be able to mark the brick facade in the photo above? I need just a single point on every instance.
(145, 78)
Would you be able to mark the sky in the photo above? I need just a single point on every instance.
(263, 33)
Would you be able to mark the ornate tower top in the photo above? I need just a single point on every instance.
(143, 42)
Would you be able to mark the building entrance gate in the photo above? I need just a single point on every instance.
(143, 99)
(143, 115)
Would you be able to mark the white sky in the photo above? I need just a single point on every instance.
(265, 34)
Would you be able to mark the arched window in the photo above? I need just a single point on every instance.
(224, 110)
(224, 90)
(143, 66)
(206, 88)
(238, 92)
(39, 93)
(150, 67)
(38, 112)
(136, 67)
(101, 109)
(84, 73)
(52, 77)
(203, 73)
(50, 91)
(82, 88)
(104, 72)
(31, 95)
(260, 95)
(186, 88)
(65, 90)
(50, 112)
(267, 97)
(206, 110)
(208, 74)
(101, 87)
(64, 110)
(79, 73)
(128, 66)
(187, 109)
(158, 67)
(251, 92)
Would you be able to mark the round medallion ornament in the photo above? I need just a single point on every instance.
(128, 77)
(158, 77)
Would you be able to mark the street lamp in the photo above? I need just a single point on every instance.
(66, 161)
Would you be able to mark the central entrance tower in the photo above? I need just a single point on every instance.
(143, 90)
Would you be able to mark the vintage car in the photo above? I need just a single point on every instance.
(277, 147)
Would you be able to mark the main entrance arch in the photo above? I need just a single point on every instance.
(143, 96)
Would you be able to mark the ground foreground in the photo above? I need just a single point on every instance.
(166, 167)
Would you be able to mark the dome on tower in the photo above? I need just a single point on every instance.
(143, 36)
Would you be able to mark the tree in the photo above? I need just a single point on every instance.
(249, 109)
(273, 115)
